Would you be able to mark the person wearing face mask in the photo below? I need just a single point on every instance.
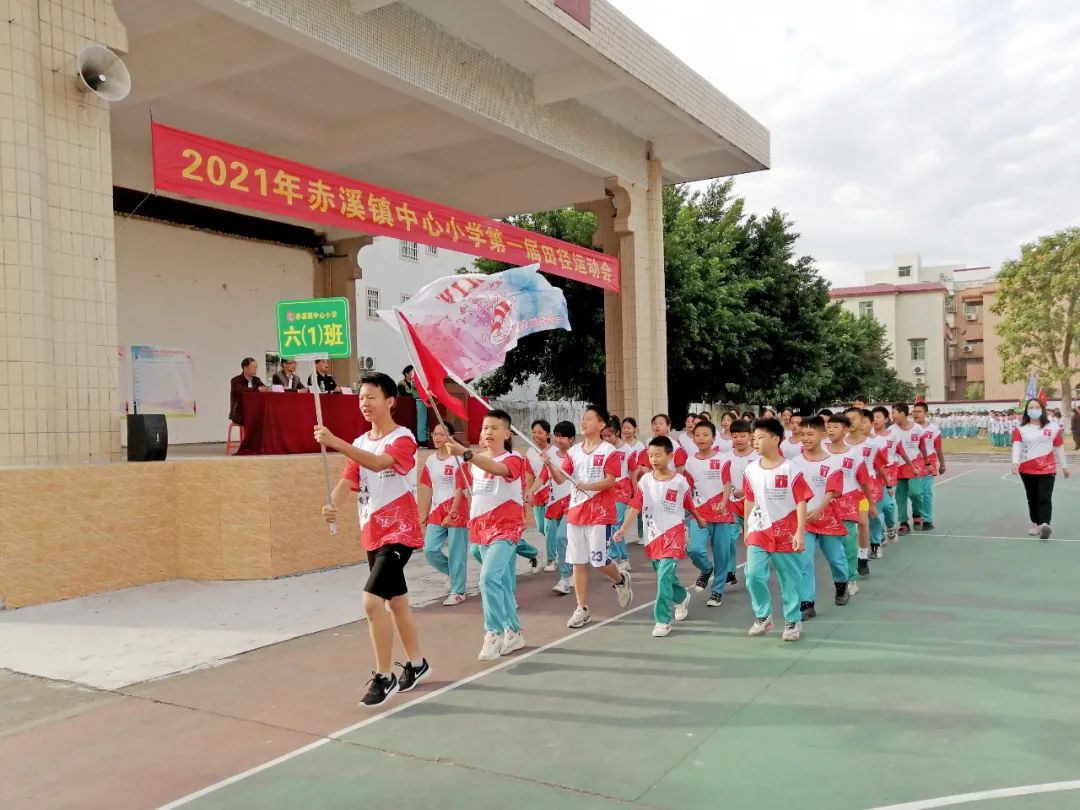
(1038, 450)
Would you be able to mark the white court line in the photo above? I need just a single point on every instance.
(953, 477)
(1001, 793)
(337, 735)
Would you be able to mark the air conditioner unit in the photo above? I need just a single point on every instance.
(972, 316)
(918, 369)
(967, 349)
(367, 363)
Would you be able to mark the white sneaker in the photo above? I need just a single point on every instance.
(580, 618)
(454, 599)
(682, 610)
(492, 648)
(761, 626)
(622, 565)
(512, 642)
(623, 592)
(852, 588)
(792, 631)
(661, 630)
(1044, 531)
(1033, 531)
(549, 566)
(562, 587)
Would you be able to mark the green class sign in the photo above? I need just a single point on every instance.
(314, 328)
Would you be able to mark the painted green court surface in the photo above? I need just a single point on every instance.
(954, 671)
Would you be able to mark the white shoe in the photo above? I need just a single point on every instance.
(512, 642)
(492, 648)
(1044, 531)
(562, 587)
(682, 610)
(761, 626)
(852, 588)
(549, 566)
(622, 565)
(580, 618)
(454, 599)
(1033, 531)
(792, 631)
(623, 592)
(661, 630)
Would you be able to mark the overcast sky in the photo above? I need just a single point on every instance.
(950, 128)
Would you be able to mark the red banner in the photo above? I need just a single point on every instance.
(208, 169)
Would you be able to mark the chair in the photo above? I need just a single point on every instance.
(229, 439)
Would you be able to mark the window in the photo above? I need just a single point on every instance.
(372, 303)
(918, 349)
(432, 250)
(904, 272)
(971, 312)
(866, 308)
(405, 297)
(408, 252)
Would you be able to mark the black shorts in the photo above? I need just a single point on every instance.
(386, 571)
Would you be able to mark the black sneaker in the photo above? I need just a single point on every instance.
(927, 527)
(702, 582)
(864, 568)
(875, 551)
(808, 611)
(842, 597)
(732, 579)
(715, 600)
(411, 676)
(534, 564)
(380, 690)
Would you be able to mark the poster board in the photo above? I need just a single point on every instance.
(163, 381)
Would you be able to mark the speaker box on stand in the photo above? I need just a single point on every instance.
(148, 437)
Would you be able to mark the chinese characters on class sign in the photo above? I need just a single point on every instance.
(190, 164)
(314, 327)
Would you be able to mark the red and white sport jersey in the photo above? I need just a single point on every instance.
(823, 476)
(1038, 450)
(542, 495)
(663, 506)
(588, 467)
(496, 511)
(559, 501)
(723, 445)
(706, 477)
(734, 469)
(909, 448)
(685, 440)
(791, 447)
(444, 477)
(872, 452)
(892, 460)
(931, 444)
(384, 500)
(677, 460)
(853, 466)
(624, 487)
(773, 497)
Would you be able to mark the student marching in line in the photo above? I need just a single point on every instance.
(661, 426)
(716, 533)
(377, 469)
(635, 450)
(776, 496)
(538, 497)
(624, 490)
(444, 511)
(496, 523)
(1038, 450)
(887, 510)
(856, 488)
(935, 461)
(593, 466)
(824, 528)
(741, 456)
(559, 503)
(909, 447)
(861, 438)
(662, 498)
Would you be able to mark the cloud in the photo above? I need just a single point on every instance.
(946, 128)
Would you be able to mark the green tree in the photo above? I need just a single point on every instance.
(1038, 297)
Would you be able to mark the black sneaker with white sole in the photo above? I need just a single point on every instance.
(808, 611)
(864, 568)
(380, 689)
(411, 676)
(842, 597)
(702, 582)
(732, 579)
(927, 527)
(875, 551)
(715, 600)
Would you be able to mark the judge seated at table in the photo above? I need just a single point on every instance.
(287, 378)
(325, 382)
(246, 380)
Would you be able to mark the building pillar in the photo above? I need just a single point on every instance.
(336, 277)
(59, 399)
(630, 225)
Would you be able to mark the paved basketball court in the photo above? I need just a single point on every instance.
(953, 673)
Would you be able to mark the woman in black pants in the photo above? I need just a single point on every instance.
(1038, 449)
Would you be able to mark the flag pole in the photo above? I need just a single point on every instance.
(322, 447)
